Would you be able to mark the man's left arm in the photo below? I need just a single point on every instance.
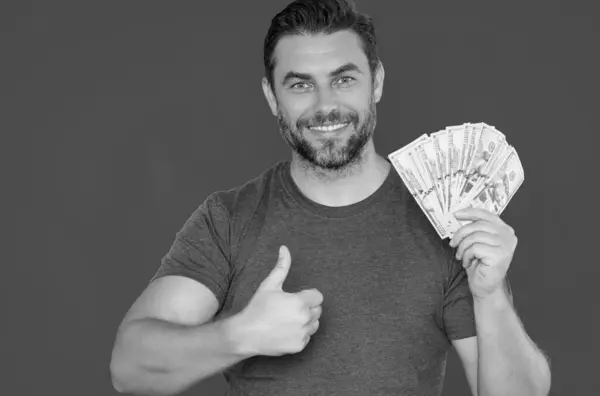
(508, 361)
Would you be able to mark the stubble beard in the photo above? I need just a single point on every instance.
(329, 162)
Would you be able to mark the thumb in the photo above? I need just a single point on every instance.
(279, 273)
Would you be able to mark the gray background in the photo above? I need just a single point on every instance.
(119, 118)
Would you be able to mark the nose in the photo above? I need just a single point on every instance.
(326, 101)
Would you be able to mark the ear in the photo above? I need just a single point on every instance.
(270, 96)
(378, 82)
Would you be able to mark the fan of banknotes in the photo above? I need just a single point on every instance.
(463, 166)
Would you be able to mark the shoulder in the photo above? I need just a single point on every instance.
(243, 199)
(230, 205)
(226, 213)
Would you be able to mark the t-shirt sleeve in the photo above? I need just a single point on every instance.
(458, 313)
(201, 249)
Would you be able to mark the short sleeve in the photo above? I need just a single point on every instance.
(201, 249)
(458, 313)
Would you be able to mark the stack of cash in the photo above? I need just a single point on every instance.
(463, 166)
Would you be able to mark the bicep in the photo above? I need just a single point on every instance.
(468, 352)
(176, 299)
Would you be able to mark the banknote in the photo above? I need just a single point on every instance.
(499, 189)
(422, 172)
(403, 162)
(440, 145)
(497, 159)
(460, 166)
(456, 145)
(491, 142)
(464, 156)
(472, 146)
(428, 163)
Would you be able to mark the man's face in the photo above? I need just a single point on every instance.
(324, 98)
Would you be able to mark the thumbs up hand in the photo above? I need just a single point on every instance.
(275, 322)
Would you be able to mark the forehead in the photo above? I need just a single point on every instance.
(319, 54)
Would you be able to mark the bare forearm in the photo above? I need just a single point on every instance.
(153, 357)
(509, 361)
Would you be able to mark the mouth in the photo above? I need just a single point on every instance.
(329, 128)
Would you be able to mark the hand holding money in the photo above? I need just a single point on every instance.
(459, 167)
(486, 247)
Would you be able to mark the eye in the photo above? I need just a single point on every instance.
(346, 80)
(300, 86)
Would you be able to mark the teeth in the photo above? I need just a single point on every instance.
(329, 128)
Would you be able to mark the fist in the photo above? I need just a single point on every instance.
(276, 322)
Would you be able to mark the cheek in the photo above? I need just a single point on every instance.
(295, 109)
(358, 102)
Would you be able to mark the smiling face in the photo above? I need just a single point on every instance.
(324, 98)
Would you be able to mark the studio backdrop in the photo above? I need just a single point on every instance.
(120, 118)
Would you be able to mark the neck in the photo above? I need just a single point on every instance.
(341, 187)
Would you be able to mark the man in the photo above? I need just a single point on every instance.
(347, 289)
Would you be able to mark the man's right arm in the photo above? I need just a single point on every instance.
(168, 341)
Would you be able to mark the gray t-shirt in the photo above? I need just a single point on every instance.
(394, 296)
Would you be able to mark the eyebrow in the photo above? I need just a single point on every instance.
(348, 67)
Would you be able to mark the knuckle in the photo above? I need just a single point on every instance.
(298, 341)
(318, 311)
(303, 342)
(316, 295)
(299, 303)
(298, 346)
(319, 298)
(305, 315)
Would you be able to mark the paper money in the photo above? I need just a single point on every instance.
(428, 163)
(490, 141)
(440, 145)
(499, 189)
(472, 145)
(456, 138)
(403, 161)
(461, 166)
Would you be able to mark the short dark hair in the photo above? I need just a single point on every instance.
(306, 17)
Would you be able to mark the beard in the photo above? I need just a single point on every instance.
(331, 159)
